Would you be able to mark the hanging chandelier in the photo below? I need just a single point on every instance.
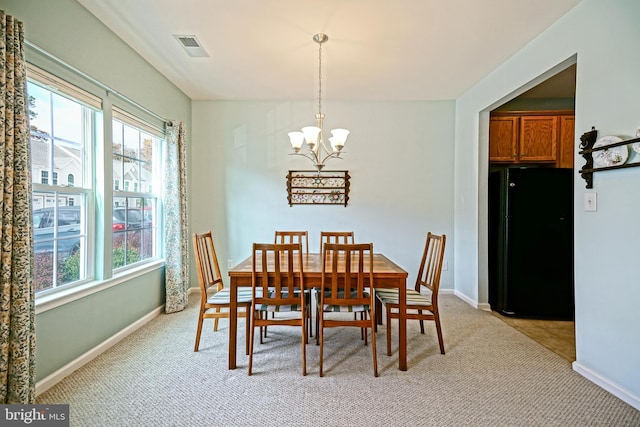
(316, 150)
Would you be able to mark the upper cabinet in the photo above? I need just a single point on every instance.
(544, 137)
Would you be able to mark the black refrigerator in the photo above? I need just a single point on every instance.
(531, 242)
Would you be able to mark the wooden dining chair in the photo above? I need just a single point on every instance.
(277, 283)
(347, 269)
(216, 305)
(422, 304)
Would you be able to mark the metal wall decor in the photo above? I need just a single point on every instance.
(318, 187)
(606, 153)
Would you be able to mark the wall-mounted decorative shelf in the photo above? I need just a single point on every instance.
(318, 188)
(587, 151)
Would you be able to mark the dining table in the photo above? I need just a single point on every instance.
(386, 274)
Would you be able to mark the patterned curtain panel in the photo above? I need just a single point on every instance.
(17, 309)
(176, 233)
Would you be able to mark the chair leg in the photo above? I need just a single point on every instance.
(215, 321)
(304, 344)
(198, 332)
(388, 331)
(373, 344)
(247, 321)
(363, 331)
(252, 327)
(320, 336)
(318, 326)
(265, 328)
(439, 331)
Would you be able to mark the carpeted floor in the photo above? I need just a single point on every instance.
(491, 375)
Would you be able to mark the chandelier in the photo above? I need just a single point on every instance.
(316, 150)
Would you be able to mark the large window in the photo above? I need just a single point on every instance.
(62, 139)
(72, 209)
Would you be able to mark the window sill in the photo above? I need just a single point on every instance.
(74, 293)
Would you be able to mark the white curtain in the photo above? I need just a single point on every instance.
(176, 234)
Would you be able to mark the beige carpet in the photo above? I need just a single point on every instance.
(491, 375)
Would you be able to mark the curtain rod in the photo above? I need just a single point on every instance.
(94, 81)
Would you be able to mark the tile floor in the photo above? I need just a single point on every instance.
(557, 335)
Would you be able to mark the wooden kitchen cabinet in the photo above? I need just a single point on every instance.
(567, 142)
(531, 137)
(503, 139)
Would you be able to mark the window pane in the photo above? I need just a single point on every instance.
(131, 142)
(135, 234)
(67, 119)
(59, 233)
(117, 137)
(133, 230)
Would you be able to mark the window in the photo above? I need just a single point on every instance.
(135, 150)
(62, 129)
(67, 128)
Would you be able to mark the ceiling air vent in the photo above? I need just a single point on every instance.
(191, 45)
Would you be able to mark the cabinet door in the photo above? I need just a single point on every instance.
(567, 142)
(538, 138)
(503, 139)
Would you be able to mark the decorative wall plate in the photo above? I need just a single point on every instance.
(612, 156)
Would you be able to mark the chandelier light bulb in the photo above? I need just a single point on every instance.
(297, 139)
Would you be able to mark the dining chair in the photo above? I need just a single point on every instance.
(277, 283)
(210, 279)
(301, 237)
(347, 269)
(420, 306)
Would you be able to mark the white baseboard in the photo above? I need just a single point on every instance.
(609, 386)
(51, 380)
(472, 303)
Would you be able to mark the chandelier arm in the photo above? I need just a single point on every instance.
(331, 156)
(314, 159)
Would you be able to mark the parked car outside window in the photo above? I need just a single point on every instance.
(69, 229)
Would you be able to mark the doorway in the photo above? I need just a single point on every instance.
(556, 94)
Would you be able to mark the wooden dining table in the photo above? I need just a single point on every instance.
(386, 274)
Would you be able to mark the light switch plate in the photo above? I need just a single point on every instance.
(590, 202)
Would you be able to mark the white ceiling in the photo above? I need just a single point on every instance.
(377, 50)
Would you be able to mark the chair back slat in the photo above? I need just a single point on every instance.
(207, 262)
(346, 270)
(301, 237)
(335, 237)
(277, 277)
(431, 264)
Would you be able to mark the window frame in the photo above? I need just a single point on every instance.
(99, 231)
